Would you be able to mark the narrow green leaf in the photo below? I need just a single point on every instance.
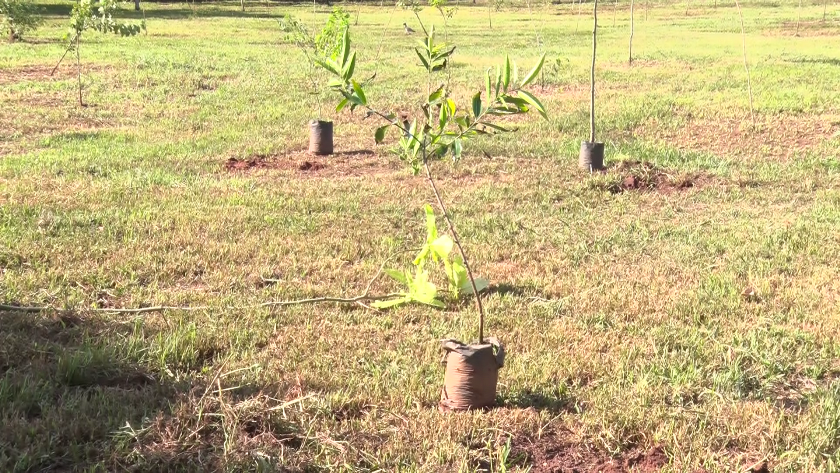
(498, 81)
(397, 275)
(495, 127)
(423, 60)
(436, 95)
(515, 72)
(506, 74)
(328, 65)
(360, 93)
(341, 105)
(476, 104)
(534, 72)
(487, 84)
(345, 47)
(380, 133)
(457, 148)
(387, 304)
(349, 67)
(534, 102)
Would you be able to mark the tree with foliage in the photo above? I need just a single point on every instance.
(87, 16)
(18, 17)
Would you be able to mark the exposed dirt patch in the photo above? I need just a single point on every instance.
(644, 176)
(554, 455)
(775, 138)
(301, 163)
(42, 73)
(805, 28)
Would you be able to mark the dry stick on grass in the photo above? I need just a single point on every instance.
(163, 308)
(630, 60)
(746, 64)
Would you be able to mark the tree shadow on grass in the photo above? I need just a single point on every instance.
(830, 61)
(554, 403)
(80, 391)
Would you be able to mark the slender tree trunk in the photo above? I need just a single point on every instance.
(490, 13)
(615, 11)
(630, 60)
(580, 6)
(242, 4)
(592, 74)
(798, 17)
(79, 69)
(136, 5)
(825, 2)
(746, 64)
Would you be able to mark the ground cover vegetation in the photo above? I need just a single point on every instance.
(677, 311)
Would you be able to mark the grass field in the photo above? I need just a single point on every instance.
(687, 326)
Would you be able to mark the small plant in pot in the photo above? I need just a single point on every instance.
(324, 51)
(471, 369)
(592, 152)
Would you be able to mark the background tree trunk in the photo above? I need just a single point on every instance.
(630, 61)
(136, 5)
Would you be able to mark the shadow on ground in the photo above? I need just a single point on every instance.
(88, 392)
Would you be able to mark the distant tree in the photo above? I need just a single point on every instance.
(18, 17)
(85, 16)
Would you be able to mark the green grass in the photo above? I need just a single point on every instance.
(622, 313)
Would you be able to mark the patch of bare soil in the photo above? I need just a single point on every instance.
(41, 73)
(644, 176)
(300, 163)
(776, 138)
(805, 28)
(554, 455)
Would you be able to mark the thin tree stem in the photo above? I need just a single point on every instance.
(630, 60)
(79, 69)
(746, 64)
(460, 248)
(592, 75)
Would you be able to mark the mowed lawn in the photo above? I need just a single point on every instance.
(690, 325)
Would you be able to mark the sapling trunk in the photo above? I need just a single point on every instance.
(746, 64)
(630, 60)
(457, 241)
(615, 11)
(490, 13)
(79, 69)
(825, 2)
(798, 17)
(580, 6)
(592, 74)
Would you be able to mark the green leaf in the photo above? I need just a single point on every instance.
(476, 104)
(534, 102)
(457, 148)
(422, 58)
(380, 133)
(399, 276)
(387, 304)
(360, 93)
(480, 283)
(495, 127)
(436, 95)
(506, 74)
(431, 227)
(328, 65)
(349, 67)
(487, 84)
(345, 46)
(341, 105)
(534, 72)
(442, 246)
(498, 81)
(515, 72)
